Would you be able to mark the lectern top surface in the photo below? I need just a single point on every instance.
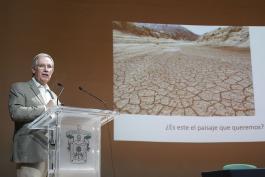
(49, 118)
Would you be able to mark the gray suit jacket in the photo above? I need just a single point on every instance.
(25, 105)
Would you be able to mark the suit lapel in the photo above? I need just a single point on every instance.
(36, 91)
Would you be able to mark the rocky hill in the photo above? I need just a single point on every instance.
(237, 36)
(156, 30)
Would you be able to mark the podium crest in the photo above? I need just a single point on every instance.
(78, 145)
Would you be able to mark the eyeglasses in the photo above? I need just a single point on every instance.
(43, 66)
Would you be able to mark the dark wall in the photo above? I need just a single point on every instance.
(78, 34)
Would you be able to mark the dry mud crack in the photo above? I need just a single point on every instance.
(186, 79)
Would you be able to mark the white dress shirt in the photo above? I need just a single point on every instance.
(44, 90)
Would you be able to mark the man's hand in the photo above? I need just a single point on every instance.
(50, 104)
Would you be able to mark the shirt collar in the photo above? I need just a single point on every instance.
(39, 85)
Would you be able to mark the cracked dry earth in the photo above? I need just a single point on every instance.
(165, 77)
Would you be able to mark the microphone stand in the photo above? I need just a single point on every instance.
(61, 91)
(92, 95)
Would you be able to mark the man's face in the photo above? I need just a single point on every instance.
(43, 70)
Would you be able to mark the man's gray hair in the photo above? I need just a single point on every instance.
(37, 57)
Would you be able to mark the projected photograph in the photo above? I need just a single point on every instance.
(182, 70)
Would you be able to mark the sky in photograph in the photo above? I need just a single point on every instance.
(199, 29)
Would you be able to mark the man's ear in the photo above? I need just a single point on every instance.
(33, 70)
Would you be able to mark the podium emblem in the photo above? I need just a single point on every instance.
(78, 145)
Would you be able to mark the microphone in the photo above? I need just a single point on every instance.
(92, 95)
(61, 91)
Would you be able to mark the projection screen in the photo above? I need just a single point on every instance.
(187, 83)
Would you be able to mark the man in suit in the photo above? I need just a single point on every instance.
(27, 101)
